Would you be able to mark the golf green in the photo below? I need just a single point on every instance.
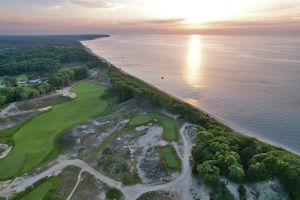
(170, 130)
(170, 157)
(34, 141)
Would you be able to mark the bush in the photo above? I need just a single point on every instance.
(114, 194)
(2, 100)
(220, 192)
(236, 173)
(242, 192)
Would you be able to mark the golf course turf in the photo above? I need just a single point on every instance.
(170, 131)
(170, 157)
(39, 192)
(34, 141)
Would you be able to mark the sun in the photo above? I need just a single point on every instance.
(198, 11)
(202, 11)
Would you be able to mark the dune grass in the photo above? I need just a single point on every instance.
(170, 157)
(170, 130)
(39, 192)
(34, 141)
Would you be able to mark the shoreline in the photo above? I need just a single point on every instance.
(235, 128)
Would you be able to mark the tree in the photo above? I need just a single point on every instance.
(209, 172)
(270, 162)
(81, 73)
(230, 160)
(221, 192)
(219, 147)
(257, 171)
(247, 153)
(236, 173)
(10, 82)
(201, 153)
(2, 100)
(243, 192)
(204, 136)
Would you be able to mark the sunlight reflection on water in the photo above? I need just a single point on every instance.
(252, 82)
(194, 58)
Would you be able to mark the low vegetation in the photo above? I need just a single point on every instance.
(35, 139)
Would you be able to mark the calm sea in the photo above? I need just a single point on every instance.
(250, 82)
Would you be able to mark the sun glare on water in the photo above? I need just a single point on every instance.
(194, 58)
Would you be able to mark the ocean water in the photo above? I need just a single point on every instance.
(250, 82)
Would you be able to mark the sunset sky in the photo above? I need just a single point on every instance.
(153, 16)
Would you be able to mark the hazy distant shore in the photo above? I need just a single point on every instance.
(232, 126)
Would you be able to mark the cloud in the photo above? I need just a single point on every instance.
(55, 8)
(166, 21)
(158, 22)
(93, 3)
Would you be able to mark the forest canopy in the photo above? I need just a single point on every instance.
(47, 58)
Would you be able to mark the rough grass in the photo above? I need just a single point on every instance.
(103, 72)
(170, 157)
(170, 130)
(39, 192)
(131, 178)
(7, 135)
(42, 102)
(35, 139)
(109, 139)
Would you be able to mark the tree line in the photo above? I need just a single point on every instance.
(40, 60)
(42, 56)
(62, 78)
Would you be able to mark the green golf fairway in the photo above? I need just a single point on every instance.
(35, 140)
(170, 130)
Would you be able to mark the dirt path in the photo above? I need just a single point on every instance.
(20, 184)
(76, 185)
(6, 110)
(130, 192)
(66, 92)
(4, 150)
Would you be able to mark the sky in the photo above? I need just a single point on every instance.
(149, 16)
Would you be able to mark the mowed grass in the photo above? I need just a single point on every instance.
(141, 119)
(170, 130)
(34, 141)
(170, 157)
(39, 192)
